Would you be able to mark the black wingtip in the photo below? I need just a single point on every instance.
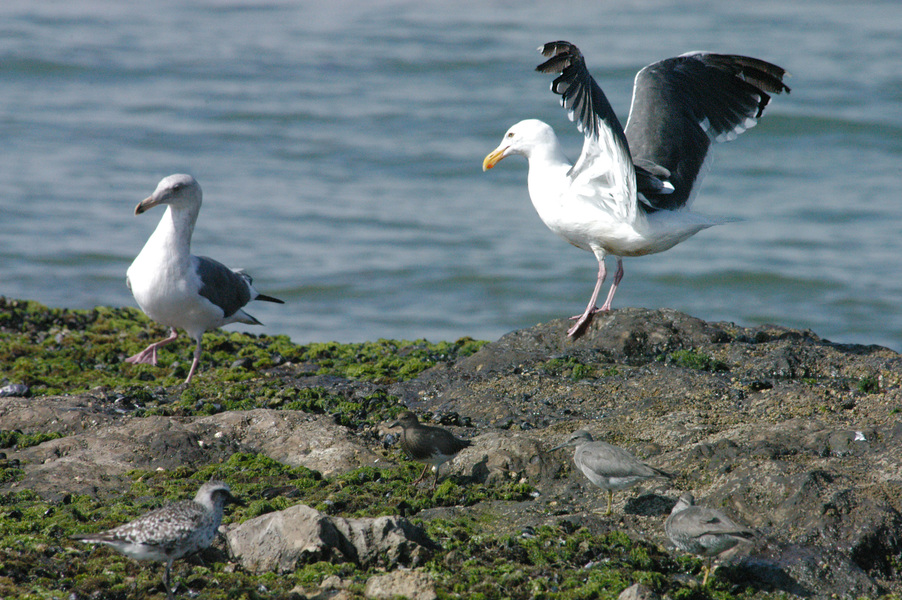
(266, 298)
(560, 55)
(764, 75)
(552, 48)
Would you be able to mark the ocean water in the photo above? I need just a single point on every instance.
(339, 146)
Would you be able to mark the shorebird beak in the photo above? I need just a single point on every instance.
(568, 444)
(145, 204)
(492, 159)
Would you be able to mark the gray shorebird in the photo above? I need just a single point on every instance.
(609, 467)
(705, 532)
(178, 289)
(430, 445)
(170, 532)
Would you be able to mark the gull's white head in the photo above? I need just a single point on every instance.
(521, 139)
(178, 191)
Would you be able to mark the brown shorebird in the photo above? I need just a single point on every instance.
(609, 467)
(170, 532)
(705, 532)
(430, 445)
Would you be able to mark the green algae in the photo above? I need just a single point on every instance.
(569, 366)
(552, 561)
(699, 361)
(18, 440)
(36, 551)
(868, 385)
(59, 351)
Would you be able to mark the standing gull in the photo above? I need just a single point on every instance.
(630, 191)
(170, 532)
(430, 445)
(177, 289)
(705, 532)
(609, 467)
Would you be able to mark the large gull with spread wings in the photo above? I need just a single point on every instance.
(630, 191)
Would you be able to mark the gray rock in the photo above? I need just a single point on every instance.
(291, 437)
(637, 591)
(333, 587)
(14, 389)
(97, 461)
(503, 456)
(103, 447)
(414, 585)
(282, 540)
(763, 421)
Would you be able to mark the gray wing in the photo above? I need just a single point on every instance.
(698, 521)
(681, 105)
(613, 461)
(159, 527)
(227, 289)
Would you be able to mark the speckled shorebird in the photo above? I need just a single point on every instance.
(609, 467)
(178, 289)
(705, 532)
(170, 532)
(431, 445)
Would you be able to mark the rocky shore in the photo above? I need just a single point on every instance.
(797, 437)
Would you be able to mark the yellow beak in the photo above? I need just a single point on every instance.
(492, 159)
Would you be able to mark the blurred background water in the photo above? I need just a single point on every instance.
(339, 146)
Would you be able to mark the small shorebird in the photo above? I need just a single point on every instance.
(607, 466)
(705, 532)
(430, 445)
(170, 532)
(177, 289)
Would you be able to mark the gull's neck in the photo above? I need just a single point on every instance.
(547, 153)
(174, 231)
(548, 168)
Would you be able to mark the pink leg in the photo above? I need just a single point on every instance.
(149, 354)
(617, 277)
(194, 362)
(590, 308)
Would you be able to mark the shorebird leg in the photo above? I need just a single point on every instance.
(618, 275)
(591, 308)
(196, 360)
(435, 481)
(167, 581)
(610, 510)
(707, 569)
(422, 475)
(149, 355)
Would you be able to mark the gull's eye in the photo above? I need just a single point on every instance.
(510, 134)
